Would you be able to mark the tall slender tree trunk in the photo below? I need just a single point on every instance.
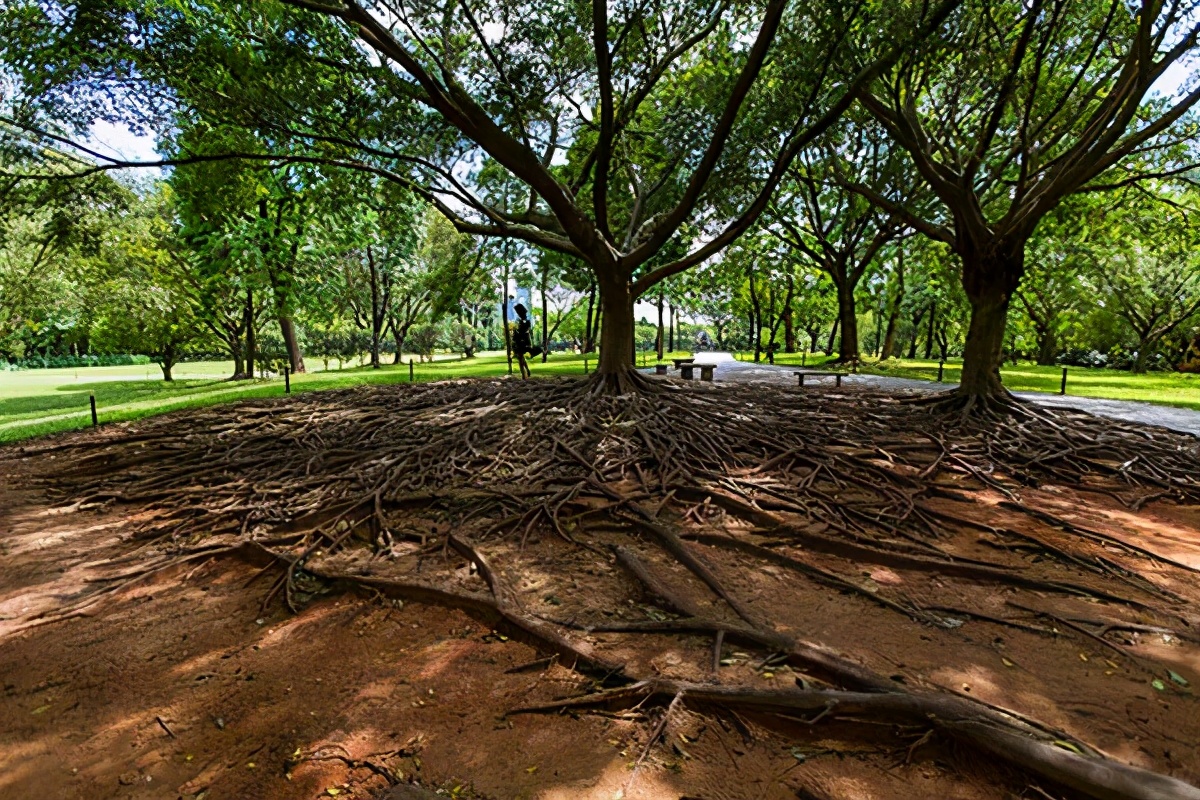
(545, 318)
(671, 314)
(848, 318)
(251, 337)
(989, 280)
(398, 335)
(889, 337)
(376, 312)
(929, 336)
(755, 320)
(504, 316)
(292, 343)
(832, 337)
(658, 345)
(587, 327)
(916, 324)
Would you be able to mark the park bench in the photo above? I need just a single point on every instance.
(819, 374)
(679, 362)
(706, 371)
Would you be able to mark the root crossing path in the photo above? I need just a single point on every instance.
(877, 594)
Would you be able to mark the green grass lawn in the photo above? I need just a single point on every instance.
(35, 402)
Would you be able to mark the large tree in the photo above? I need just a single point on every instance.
(559, 95)
(1014, 106)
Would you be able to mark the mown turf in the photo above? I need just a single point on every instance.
(36, 402)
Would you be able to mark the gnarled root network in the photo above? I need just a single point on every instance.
(672, 495)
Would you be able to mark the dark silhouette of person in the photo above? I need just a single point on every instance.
(522, 340)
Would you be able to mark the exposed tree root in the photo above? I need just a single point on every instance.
(988, 731)
(391, 489)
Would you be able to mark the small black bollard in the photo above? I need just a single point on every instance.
(287, 380)
(410, 371)
(1063, 389)
(95, 419)
(941, 369)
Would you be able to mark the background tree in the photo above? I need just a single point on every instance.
(1012, 107)
(140, 306)
(1144, 267)
(841, 231)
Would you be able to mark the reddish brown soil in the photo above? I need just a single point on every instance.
(180, 686)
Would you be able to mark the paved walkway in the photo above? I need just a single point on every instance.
(1177, 419)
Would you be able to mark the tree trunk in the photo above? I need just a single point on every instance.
(832, 337)
(989, 281)
(916, 323)
(292, 343)
(545, 319)
(251, 338)
(658, 345)
(755, 320)
(376, 312)
(587, 327)
(616, 335)
(889, 337)
(1047, 347)
(504, 318)
(929, 337)
(399, 337)
(671, 334)
(848, 319)
(168, 362)
(813, 335)
(1139, 363)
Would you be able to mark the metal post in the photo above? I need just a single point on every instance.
(410, 370)
(95, 419)
(287, 380)
(1063, 389)
(941, 368)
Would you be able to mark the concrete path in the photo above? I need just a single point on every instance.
(1178, 419)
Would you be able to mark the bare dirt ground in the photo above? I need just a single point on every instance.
(168, 677)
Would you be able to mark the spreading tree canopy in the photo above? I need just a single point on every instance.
(623, 123)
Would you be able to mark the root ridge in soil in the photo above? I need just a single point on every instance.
(595, 526)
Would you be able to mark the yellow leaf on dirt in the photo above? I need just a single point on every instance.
(1007, 663)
